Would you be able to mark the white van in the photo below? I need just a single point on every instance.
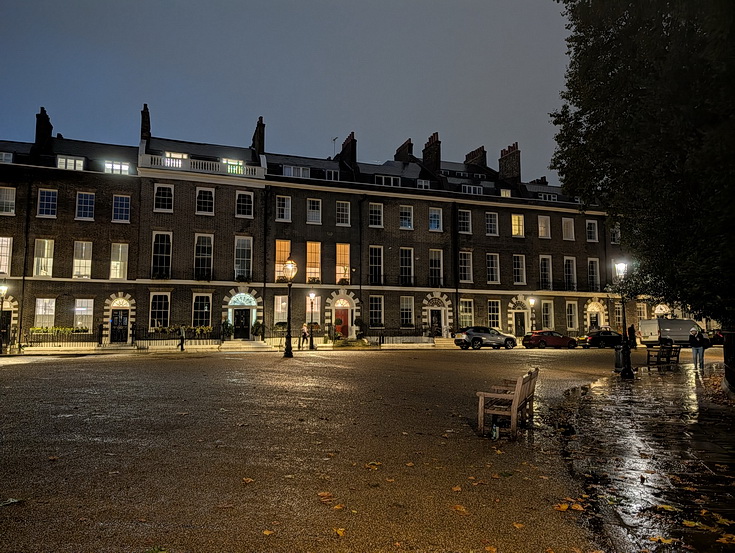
(656, 332)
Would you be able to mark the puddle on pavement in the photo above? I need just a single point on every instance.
(656, 460)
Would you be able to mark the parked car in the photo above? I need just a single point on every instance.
(601, 339)
(716, 338)
(547, 338)
(479, 336)
(666, 332)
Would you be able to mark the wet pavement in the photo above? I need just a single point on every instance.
(656, 456)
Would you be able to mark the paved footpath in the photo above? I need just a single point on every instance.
(657, 456)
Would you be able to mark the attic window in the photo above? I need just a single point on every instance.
(385, 180)
(462, 174)
(117, 167)
(298, 172)
(175, 159)
(472, 189)
(505, 193)
(547, 197)
(6, 157)
(480, 176)
(234, 166)
(72, 163)
(423, 184)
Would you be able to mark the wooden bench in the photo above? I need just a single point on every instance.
(662, 356)
(512, 399)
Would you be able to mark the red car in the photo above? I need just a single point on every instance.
(547, 338)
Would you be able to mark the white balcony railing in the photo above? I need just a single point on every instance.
(199, 166)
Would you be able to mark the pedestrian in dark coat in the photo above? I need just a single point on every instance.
(697, 341)
(632, 341)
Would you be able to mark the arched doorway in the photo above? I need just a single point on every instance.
(242, 313)
(519, 316)
(595, 315)
(436, 315)
(340, 310)
(119, 318)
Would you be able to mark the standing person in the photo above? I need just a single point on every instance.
(632, 341)
(697, 342)
(304, 335)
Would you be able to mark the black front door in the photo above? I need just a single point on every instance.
(242, 324)
(520, 320)
(119, 326)
(436, 322)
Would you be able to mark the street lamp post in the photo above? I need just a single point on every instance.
(312, 295)
(289, 271)
(3, 291)
(532, 302)
(627, 368)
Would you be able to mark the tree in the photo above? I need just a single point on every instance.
(647, 132)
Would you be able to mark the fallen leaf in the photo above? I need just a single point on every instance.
(409, 464)
(577, 507)
(491, 549)
(498, 452)
(390, 479)
(460, 509)
(248, 480)
(268, 532)
(373, 465)
(457, 489)
(339, 531)
(727, 538)
(518, 525)
(659, 539)
(690, 523)
(339, 507)
(561, 506)
(666, 508)
(723, 521)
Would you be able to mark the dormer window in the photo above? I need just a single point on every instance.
(547, 197)
(117, 167)
(298, 172)
(70, 163)
(472, 189)
(462, 174)
(505, 193)
(234, 166)
(385, 180)
(175, 159)
(6, 157)
(331, 174)
(480, 176)
(423, 184)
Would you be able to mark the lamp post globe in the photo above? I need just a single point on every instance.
(289, 271)
(532, 302)
(312, 295)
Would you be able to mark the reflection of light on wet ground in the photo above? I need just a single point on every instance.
(645, 450)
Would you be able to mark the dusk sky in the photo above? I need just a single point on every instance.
(478, 72)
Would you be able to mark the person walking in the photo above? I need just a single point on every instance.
(632, 341)
(303, 339)
(697, 342)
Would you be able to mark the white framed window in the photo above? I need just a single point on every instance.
(435, 219)
(519, 269)
(641, 311)
(466, 313)
(517, 225)
(7, 200)
(6, 250)
(405, 266)
(117, 167)
(201, 310)
(591, 227)
(342, 213)
(160, 309)
(331, 174)
(244, 204)
(84, 315)
(545, 274)
(619, 315)
(203, 256)
(313, 310)
(571, 311)
(491, 223)
(45, 312)
(70, 162)
(6, 157)
(205, 201)
(436, 267)
(120, 208)
(423, 184)
(375, 215)
(493, 313)
(465, 266)
(406, 311)
(493, 268)
(283, 250)
(82, 265)
(119, 261)
(405, 217)
(570, 274)
(298, 172)
(505, 193)
(163, 198)
(161, 255)
(567, 228)
(546, 197)
(342, 264)
(544, 226)
(593, 274)
(547, 314)
(47, 202)
(615, 234)
(280, 309)
(283, 208)
(473, 189)
(313, 211)
(85, 206)
(243, 258)
(376, 311)
(43, 258)
(385, 180)
(464, 221)
(174, 159)
(313, 262)
(375, 267)
(234, 166)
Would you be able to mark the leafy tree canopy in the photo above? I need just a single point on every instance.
(647, 132)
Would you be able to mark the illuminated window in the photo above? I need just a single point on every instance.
(117, 167)
(313, 310)
(505, 193)
(6, 249)
(283, 251)
(7, 201)
(544, 226)
(342, 269)
(45, 311)
(641, 311)
(84, 315)
(466, 313)
(174, 159)
(234, 166)
(280, 309)
(43, 258)
(82, 266)
(567, 227)
(517, 225)
(70, 163)
(313, 261)
(119, 261)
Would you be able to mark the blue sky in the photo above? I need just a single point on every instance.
(478, 72)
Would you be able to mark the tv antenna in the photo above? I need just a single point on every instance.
(334, 146)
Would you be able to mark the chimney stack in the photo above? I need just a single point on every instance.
(348, 154)
(259, 138)
(433, 154)
(404, 152)
(145, 123)
(477, 157)
(44, 128)
(509, 164)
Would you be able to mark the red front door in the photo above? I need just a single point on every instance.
(343, 328)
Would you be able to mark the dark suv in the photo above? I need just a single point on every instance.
(479, 336)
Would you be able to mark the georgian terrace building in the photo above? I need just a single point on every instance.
(117, 238)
